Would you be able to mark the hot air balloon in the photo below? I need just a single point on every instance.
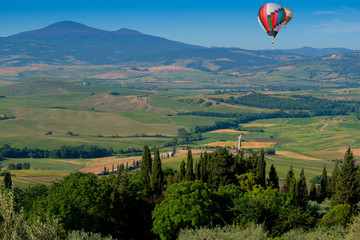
(271, 17)
(289, 15)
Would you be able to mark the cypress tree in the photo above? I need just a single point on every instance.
(157, 174)
(313, 193)
(7, 180)
(273, 180)
(323, 188)
(260, 169)
(189, 175)
(347, 185)
(146, 162)
(220, 168)
(303, 195)
(333, 180)
(122, 167)
(182, 170)
(293, 190)
(197, 170)
(203, 167)
(173, 152)
(290, 175)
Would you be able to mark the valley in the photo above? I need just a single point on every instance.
(113, 89)
(120, 118)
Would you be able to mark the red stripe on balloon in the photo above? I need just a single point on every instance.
(264, 17)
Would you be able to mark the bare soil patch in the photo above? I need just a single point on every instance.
(272, 140)
(259, 125)
(110, 75)
(243, 144)
(227, 131)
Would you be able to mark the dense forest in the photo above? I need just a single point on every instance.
(220, 194)
(64, 152)
(239, 118)
(315, 106)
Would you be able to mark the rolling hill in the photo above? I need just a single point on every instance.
(70, 50)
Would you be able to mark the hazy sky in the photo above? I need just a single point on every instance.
(223, 23)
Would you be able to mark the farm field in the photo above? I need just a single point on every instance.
(119, 118)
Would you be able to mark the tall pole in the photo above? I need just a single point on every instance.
(239, 143)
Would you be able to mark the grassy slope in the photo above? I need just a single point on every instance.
(71, 110)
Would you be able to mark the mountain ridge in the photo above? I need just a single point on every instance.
(72, 43)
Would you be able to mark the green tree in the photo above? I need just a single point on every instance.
(247, 181)
(347, 185)
(182, 170)
(294, 190)
(189, 175)
(291, 217)
(303, 195)
(79, 201)
(19, 166)
(220, 168)
(334, 178)
(247, 209)
(7, 180)
(186, 204)
(146, 162)
(11, 166)
(261, 169)
(26, 165)
(289, 177)
(323, 188)
(198, 170)
(313, 194)
(239, 164)
(130, 213)
(273, 180)
(204, 167)
(157, 174)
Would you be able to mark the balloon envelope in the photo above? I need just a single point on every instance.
(289, 15)
(271, 17)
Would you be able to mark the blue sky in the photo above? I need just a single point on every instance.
(223, 23)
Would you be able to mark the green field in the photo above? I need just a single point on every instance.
(118, 117)
(46, 164)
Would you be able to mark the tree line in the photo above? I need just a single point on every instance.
(239, 118)
(83, 151)
(219, 189)
(316, 106)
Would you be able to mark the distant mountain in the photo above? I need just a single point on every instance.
(74, 43)
(71, 43)
(316, 52)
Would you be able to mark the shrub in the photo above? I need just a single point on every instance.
(81, 235)
(354, 230)
(333, 233)
(14, 226)
(319, 209)
(255, 232)
(339, 214)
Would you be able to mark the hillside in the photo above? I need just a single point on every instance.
(76, 52)
(74, 43)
